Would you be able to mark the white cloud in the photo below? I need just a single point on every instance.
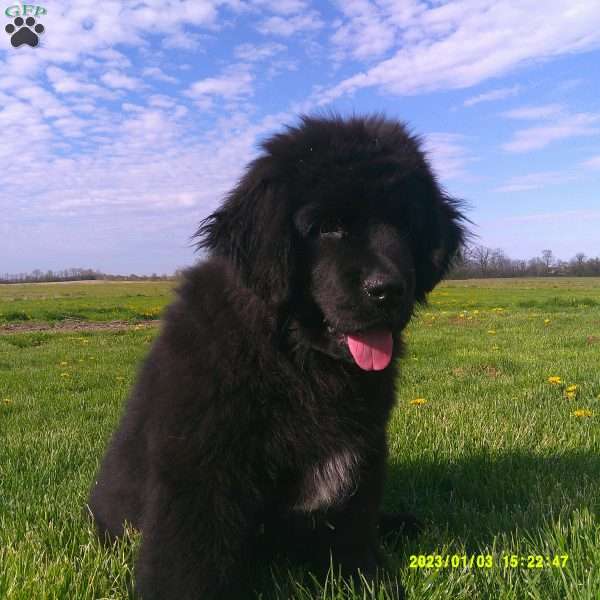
(150, 129)
(48, 105)
(161, 101)
(282, 7)
(365, 32)
(559, 218)
(530, 113)
(117, 80)
(258, 52)
(233, 84)
(19, 70)
(460, 44)
(182, 40)
(535, 181)
(593, 163)
(113, 59)
(158, 74)
(148, 168)
(498, 94)
(559, 128)
(25, 136)
(68, 83)
(449, 156)
(288, 26)
(81, 28)
(271, 58)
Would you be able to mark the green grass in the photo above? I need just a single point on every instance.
(84, 301)
(494, 462)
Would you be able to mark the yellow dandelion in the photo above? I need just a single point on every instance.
(6, 400)
(418, 401)
(572, 388)
(492, 331)
(582, 412)
(64, 375)
(475, 312)
(554, 380)
(546, 321)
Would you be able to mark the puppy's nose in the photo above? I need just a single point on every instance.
(385, 289)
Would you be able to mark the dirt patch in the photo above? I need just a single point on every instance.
(593, 339)
(72, 325)
(492, 372)
(462, 321)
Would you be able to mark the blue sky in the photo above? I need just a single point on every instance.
(130, 120)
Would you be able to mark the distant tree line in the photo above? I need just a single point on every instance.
(78, 274)
(481, 261)
(474, 262)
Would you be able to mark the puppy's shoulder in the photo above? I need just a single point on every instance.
(209, 285)
(214, 310)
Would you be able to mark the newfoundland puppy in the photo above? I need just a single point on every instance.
(258, 422)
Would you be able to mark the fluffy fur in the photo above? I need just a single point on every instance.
(255, 426)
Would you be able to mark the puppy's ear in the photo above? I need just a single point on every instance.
(437, 255)
(253, 231)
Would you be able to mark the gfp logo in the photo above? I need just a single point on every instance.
(24, 29)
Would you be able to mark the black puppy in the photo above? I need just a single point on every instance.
(259, 416)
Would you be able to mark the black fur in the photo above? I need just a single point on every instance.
(251, 427)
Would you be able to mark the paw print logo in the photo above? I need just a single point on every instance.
(24, 31)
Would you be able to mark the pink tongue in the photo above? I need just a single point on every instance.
(372, 351)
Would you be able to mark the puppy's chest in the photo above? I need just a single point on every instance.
(328, 481)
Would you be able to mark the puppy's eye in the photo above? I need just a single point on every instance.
(331, 229)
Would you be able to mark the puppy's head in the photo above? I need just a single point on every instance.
(342, 227)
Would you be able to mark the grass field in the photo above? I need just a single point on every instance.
(87, 300)
(500, 461)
